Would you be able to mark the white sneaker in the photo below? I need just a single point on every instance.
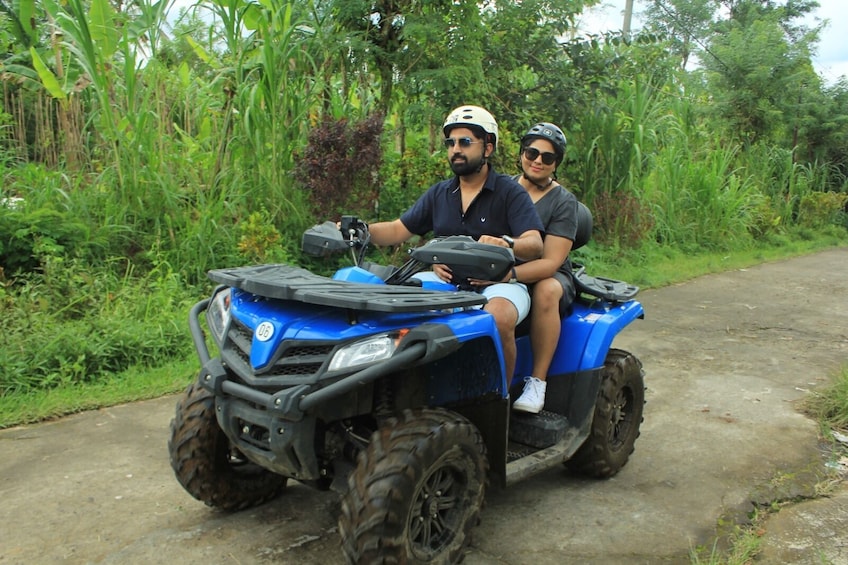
(532, 400)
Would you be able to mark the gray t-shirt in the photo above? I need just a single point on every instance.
(558, 211)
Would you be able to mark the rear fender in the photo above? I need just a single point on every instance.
(586, 336)
(605, 326)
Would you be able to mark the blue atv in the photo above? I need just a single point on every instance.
(391, 390)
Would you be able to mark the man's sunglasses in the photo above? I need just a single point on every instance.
(463, 141)
(548, 158)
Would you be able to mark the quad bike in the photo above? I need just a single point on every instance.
(392, 391)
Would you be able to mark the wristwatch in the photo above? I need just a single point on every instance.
(509, 241)
(514, 277)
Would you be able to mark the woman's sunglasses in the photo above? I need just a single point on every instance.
(548, 158)
(463, 141)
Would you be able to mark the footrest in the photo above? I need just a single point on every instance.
(537, 430)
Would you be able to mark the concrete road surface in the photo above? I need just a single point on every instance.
(727, 358)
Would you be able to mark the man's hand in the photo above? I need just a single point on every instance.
(493, 240)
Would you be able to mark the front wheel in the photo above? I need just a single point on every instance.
(618, 414)
(416, 492)
(207, 466)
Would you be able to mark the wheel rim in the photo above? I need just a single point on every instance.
(621, 417)
(436, 511)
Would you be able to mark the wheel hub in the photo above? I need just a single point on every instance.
(430, 508)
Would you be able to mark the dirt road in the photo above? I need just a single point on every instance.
(726, 358)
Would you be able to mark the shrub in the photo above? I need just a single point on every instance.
(407, 176)
(820, 209)
(340, 166)
(259, 240)
(27, 237)
(620, 219)
(70, 325)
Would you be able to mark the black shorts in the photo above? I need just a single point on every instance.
(569, 293)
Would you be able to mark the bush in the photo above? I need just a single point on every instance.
(820, 209)
(90, 326)
(408, 176)
(27, 237)
(340, 166)
(620, 219)
(259, 240)
(85, 351)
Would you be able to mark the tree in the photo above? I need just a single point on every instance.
(387, 37)
(526, 68)
(684, 22)
(756, 64)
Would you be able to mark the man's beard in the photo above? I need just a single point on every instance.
(466, 167)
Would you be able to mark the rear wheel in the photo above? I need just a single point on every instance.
(416, 492)
(207, 466)
(618, 414)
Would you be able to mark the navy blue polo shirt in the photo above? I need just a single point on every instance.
(503, 207)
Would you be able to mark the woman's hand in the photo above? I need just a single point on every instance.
(443, 272)
(483, 283)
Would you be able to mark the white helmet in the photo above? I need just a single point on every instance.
(472, 116)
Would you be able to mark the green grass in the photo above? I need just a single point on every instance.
(829, 406)
(744, 546)
(128, 386)
(655, 266)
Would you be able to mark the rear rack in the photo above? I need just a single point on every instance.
(600, 287)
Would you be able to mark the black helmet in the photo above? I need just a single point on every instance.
(552, 133)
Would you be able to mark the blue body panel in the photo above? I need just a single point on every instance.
(357, 274)
(295, 320)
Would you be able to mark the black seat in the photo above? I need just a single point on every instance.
(584, 226)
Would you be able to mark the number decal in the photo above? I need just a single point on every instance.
(264, 331)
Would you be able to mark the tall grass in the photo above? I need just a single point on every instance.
(184, 161)
(783, 181)
(699, 199)
(616, 139)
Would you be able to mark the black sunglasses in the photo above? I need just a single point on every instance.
(463, 141)
(531, 153)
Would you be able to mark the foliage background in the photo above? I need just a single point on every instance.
(140, 150)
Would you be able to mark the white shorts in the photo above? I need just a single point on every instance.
(516, 293)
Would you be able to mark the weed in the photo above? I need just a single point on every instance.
(829, 406)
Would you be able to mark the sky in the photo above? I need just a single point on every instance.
(830, 62)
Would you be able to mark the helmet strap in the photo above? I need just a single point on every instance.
(542, 188)
(485, 160)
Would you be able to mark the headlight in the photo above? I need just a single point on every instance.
(375, 348)
(218, 314)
